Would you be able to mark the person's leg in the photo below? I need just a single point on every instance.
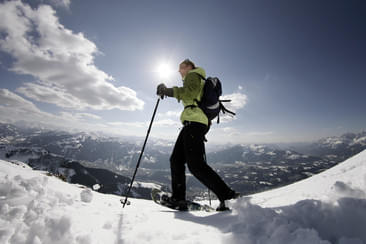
(178, 169)
(196, 161)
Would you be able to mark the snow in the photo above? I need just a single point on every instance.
(307, 221)
(271, 153)
(294, 156)
(149, 160)
(333, 142)
(66, 172)
(361, 140)
(326, 208)
(86, 195)
(146, 185)
(257, 148)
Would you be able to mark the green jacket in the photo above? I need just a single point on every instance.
(192, 89)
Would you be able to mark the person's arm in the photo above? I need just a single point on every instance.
(162, 91)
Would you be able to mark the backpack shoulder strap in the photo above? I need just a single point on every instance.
(203, 78)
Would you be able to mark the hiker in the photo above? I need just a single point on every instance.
(189, 147)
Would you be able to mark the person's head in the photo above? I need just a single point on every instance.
(185, 67)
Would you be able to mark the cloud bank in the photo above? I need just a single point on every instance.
(14, 108)
(60, 60)
(238, 101)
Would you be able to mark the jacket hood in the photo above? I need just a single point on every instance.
(198, 70)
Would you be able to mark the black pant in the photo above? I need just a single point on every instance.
(189, 148)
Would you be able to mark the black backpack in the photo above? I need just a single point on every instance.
(210, 102)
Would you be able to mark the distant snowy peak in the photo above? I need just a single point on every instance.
(339, 148)
(348, 139)
(335, 148)
(258, 153)
(8, 133)
(360, 140)
(260, 149)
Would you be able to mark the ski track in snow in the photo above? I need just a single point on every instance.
(326, 208)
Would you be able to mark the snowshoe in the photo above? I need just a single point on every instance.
(164, 199)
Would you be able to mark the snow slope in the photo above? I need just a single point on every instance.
(326, 208)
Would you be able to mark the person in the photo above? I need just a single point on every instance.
(189, 148)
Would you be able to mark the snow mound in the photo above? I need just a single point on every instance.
(23, 211)
(86, 195)
(307, 221)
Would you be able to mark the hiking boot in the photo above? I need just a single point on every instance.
(171, 202)
(232, 195)
(222, 207)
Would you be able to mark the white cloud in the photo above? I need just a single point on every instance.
(167, 123)
(88, 116)
(222, 135)
(235, 135)
(10, 100)
(60, 3)
(238, 101)
(61, 60)
(129, 124)
(14, 108)
(80, 116)
(174, 114)
(156, 123)
(230, 131)
(55, 3)
(240, 87)
(51, 94)
(225, 118)
(259, 133)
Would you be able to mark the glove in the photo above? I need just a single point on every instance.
(162, 91)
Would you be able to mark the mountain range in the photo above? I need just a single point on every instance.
(247, 168)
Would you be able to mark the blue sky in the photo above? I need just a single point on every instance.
(295, 70)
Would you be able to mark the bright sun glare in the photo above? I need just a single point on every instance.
(164, 70)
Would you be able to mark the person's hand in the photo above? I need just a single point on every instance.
(162, 91)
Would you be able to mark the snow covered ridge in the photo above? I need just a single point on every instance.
(341, 147)
(326, 208)
(348, 138)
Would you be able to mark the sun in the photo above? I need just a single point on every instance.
(164, 70)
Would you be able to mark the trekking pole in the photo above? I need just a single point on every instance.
(142, 151)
